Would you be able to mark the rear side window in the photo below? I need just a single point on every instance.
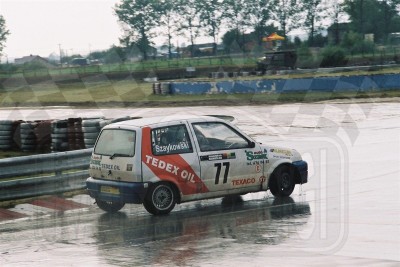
(171, 140)
(116, 142)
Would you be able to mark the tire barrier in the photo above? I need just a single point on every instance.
(75, 134)
(91, 129)
(28, 138)
(52, 136)
(161, 88)
(59, 135)
(42, 133)
(6, 134)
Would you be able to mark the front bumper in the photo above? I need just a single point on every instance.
(123, 192)
(301, 168)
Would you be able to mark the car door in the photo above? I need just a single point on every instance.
(228, 159)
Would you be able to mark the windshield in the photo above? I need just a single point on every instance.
(116, 142)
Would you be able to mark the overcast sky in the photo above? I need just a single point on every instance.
(37, 27)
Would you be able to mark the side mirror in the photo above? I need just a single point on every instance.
(252, 145)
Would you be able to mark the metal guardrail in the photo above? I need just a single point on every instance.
(37, 175)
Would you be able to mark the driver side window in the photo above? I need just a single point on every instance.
(214, 136)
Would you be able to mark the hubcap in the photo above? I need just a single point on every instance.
(162, 197)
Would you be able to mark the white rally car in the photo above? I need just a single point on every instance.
(164, 161)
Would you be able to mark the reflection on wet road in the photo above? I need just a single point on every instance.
(193, 235)
(348, 213)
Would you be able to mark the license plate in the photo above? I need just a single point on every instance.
(110, 190)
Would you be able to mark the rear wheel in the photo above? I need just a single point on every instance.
(282, 182)
(109, 206)
(160, 199)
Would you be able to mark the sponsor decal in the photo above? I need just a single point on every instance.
(256, 155)
(256, 158)
(170, 168)
(285, 152)
(244, 181)
(129, 167)
(110, 167)
(95, 160)
(167, 149)
(218, 156)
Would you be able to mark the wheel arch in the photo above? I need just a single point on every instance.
(173, 185)
(293, 170)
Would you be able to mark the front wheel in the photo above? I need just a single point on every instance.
(109, 206)
(282, 182)
(160, 199)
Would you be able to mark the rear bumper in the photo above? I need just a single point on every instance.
(127, 192)
(302, 171)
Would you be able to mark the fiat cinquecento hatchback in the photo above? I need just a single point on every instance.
(163, 161)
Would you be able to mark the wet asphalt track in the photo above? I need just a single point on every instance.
(348, 213)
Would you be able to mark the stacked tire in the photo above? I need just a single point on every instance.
(28, 137)
(43, 135)
(79, 139)
(59, 135)
(91, 129)
(75, 135)
(6, 134)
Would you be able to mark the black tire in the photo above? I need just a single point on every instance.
(282, 182)
(109, 206)
(91, 123)
(5, 127)
(59, 130)
(90, 129)
(5, 146)
(5, 132)
(91, 135)
(160, 199)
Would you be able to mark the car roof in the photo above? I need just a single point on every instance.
(163, 119)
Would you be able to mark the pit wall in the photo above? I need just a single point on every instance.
(321, 84)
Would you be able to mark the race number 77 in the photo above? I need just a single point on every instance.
(219, 167)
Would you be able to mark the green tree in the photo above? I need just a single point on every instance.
(335, 12)
(190, 23)
(3, 33)
(139, 19)
(288, 14)
(259, 15)
(231, 42)
(115, 54)
(389, 10)
(314, 15)
(169, 19)
(237, 15)
(211, 16)
(356, 44)
(379, 17)
(361, 12)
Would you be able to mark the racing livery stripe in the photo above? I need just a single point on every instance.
(171, 168)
